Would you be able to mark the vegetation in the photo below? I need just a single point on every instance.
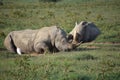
(88, 63)
(91, 62)
(33, 14)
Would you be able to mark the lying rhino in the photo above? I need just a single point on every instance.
(84, 31)
(52, 38)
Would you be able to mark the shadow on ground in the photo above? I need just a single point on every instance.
(4, 53)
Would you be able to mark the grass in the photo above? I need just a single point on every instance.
(18, 15)
(86, 64)
(90, 62)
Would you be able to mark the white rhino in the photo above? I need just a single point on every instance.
(52, 38)
(84, 31)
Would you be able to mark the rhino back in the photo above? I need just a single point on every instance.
(91, 33)
(46, 34)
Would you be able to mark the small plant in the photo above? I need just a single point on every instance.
(99, 17)
(19, 13)
(2, 34)
(88, 13)
(51, 14)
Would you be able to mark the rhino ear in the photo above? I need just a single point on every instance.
(84, 23)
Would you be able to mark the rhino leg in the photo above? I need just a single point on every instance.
(41, 48)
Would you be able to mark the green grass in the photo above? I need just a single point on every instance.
(18, 15)
(90, 62)
(99, 63)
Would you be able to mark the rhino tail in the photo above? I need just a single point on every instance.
(13, 46)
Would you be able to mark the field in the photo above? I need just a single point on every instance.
(98, 60)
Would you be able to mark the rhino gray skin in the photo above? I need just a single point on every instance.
(84, 31)
(47, 38)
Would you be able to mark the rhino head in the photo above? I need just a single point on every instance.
(62, 43)
(84, 31)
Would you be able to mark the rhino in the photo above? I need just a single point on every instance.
(84, 32)
(52, 39)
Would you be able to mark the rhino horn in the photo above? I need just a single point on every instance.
(76, 37)
(77, 44)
